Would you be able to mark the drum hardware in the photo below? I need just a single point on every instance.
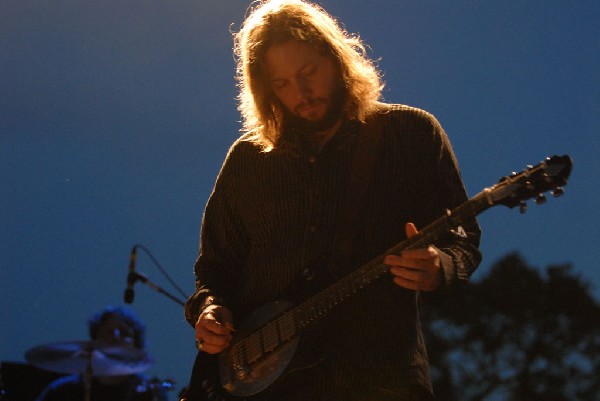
(90, 359)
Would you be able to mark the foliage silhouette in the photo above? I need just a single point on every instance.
(516, 334)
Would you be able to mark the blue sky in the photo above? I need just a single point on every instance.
(115, 117)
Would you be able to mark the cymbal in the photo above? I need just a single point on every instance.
(105, 359)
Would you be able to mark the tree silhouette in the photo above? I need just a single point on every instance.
(516, 334)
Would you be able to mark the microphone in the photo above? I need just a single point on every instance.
(131, 277)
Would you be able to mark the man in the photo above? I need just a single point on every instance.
(111, 326)
(287, 203)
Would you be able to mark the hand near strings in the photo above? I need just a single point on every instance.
(417, 269)
(214, 329)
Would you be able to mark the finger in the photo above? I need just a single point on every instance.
(217, 319)
(224, 317)
(408, 284)
(207, 331)
(419, 253)
(411, 230)
(407, 274)
(401, 263)
(213, 349)
(413, 260)
(211, 342)
(398, 262)
(209, 347)
(418, 280)
(216, 327)
(215, 339)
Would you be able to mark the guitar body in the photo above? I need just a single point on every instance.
(249, 364)
(263, 346)
(248, 367)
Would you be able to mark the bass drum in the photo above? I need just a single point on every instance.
(20, 381)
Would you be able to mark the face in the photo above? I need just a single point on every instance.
(306, 82)
(116, 331)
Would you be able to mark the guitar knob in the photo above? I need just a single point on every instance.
(540, 199)
(522, 207)
(559, 191)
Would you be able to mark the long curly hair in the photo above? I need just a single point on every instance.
(272, 22)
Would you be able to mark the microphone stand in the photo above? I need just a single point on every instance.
(135, 276)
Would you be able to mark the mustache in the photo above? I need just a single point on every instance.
(309, 102)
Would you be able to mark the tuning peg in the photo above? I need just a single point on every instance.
(540, 199)
(559, 191)
(522, 207)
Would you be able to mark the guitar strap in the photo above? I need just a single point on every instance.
(361, 172)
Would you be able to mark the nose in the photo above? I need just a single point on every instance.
(302, 88)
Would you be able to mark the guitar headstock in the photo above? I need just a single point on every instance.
(549, 175)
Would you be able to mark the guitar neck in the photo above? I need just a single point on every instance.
(314, 308)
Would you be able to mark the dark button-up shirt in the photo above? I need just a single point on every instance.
(272, 214)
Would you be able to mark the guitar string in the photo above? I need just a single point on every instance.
(309, 311)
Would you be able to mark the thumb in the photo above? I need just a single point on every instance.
(411, 230)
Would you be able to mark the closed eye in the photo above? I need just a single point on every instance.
(279, 83)
(308, 71)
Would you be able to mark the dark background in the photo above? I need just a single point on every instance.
(115, 117)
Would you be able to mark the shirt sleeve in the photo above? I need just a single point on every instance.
(223, 242)
(460, 250)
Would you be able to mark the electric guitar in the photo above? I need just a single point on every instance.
(267, 340)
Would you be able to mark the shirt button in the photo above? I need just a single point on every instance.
(312, 229)
(312, 160)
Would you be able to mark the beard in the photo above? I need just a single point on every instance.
(334, 112)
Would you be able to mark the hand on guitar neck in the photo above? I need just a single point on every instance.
(214, 329)
(416, 269)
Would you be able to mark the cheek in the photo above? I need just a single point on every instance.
(330, 84)
(285, 97)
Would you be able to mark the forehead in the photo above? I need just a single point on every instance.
(288, 58)
(112, 322)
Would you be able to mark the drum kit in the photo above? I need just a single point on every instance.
(89, 359)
